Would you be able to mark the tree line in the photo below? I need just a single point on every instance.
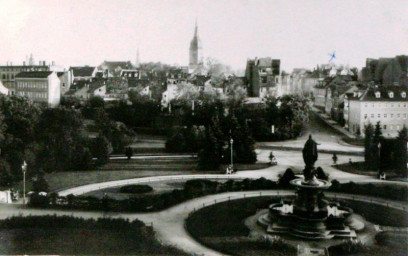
(383, 154)
(54, 139)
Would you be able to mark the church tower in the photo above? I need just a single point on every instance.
(196, 52)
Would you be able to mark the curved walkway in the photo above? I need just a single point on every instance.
(169, 223)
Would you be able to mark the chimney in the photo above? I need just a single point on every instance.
(53, 63)
(23, 63)
(39, 63)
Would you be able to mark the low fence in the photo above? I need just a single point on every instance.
(98, 186)
(278, 193)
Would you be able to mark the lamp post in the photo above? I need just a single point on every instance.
(232, 162)
(379, 155)
(24, 168)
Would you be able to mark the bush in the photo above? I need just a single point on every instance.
(352, 246)
(320, 174)
(136, 189)
(284, 180)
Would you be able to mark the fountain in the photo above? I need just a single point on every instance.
(310, 215)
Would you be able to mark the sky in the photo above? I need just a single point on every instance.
(299, 33)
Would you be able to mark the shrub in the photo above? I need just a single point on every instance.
(320, 174)
(352, 246)
(136, 189)
(284, 180)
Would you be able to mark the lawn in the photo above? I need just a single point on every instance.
(230, 235)
(18, 238)
(361, 168)
(63, 180)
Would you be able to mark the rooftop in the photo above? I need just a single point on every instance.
(82, 71)
(34, 74)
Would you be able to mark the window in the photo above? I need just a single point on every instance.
(405, 116)
(403, 94)
(63, 85)
(377, 94)
(379, 115)
(392, 115)
(372, 115)
(398, 115)
(392, 105)
(365, 105)
(391, 94)
(385, 127)
(365, 116)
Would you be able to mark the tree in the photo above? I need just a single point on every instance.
(402, 152)
(5, 175)
(368, 131)
(210, 155)
(40, 185)
(96, 102)
(377, 137)
(58, 132)
(101, 149)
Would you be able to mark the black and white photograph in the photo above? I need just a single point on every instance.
(204, 127)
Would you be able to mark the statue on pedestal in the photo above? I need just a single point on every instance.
(310, 157)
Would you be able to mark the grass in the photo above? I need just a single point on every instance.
(61, 239)
(361, 168)
(387, 244)
(230, 235)
(353, 141)
(378, 214)
(64, 180)
(356, 168)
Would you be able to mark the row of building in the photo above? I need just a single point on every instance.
(378, 94)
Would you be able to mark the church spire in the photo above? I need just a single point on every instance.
(196, 28)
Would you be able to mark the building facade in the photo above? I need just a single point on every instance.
(387, 105)
(263, 76)
(40, 86)
(9, 72)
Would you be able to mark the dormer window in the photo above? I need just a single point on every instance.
(403, 94)
(377, 95)
(391, 94)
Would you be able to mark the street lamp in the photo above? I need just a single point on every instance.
(379, 155)
(232, 162)
(24, 168)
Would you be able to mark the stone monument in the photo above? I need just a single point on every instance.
(310, 215)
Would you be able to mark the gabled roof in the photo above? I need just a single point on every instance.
(95, 85)
(34, 74)
(82, 71)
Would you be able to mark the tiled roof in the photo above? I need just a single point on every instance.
(82, 71)
(34, 74)
(370, 94)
